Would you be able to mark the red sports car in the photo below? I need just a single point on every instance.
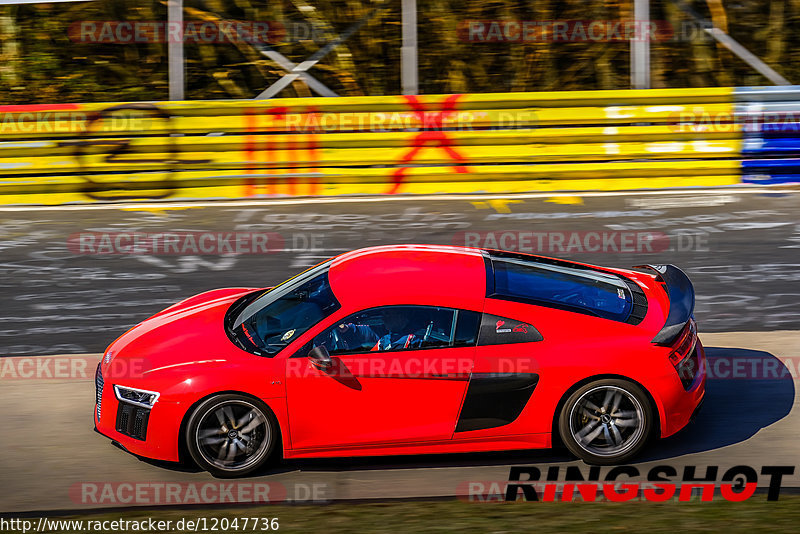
(406, 350)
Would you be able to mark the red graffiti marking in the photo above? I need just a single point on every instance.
(432, 135)
(312, 146)
(291, 147)
(250, 140)
(252, 152)
(268, 154)
(23, 108)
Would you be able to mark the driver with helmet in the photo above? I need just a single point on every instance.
(400, 334)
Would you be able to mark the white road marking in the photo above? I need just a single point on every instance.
(283, 201)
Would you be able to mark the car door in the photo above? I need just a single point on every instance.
(398, 374)
(505, 375)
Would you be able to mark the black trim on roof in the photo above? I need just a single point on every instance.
(487, 262)
(639, 307)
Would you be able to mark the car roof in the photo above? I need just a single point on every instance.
(410, 274)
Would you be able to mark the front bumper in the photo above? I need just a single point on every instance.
(158, 440)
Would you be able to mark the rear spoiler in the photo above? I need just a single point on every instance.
(681, 301)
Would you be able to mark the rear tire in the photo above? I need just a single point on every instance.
(606, 422)
(231, 435)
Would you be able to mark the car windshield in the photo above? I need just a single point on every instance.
(576, 288)
(278, 316)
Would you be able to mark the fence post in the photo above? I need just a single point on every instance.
(175, 49)
(640, 46)
(408, 52)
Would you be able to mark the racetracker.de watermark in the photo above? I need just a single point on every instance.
(29, 120)
(176, 493)
(70, 367)
(574, 31)
(175, 243)
(159, 493)
(193, 31)
(378, 365)
(749, 119)
(552, 242)
(389, 121)
(749, 368)
(82, 367)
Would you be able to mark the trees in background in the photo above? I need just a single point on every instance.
(46, 57)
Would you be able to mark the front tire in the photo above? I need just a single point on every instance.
(231, 435)
(606, 422)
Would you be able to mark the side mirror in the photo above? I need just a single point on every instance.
(320, 357)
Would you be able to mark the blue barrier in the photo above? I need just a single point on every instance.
(771, 148)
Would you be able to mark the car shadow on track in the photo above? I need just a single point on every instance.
(747, 390)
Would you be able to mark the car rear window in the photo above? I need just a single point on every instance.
(561, 285)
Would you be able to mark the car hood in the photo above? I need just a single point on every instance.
(189, 332)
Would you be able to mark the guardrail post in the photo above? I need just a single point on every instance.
(408, 52)
(175, 49)
(640, 46)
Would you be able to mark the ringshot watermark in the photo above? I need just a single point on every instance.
(628, 483)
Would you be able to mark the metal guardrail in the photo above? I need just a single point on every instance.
(506, 142)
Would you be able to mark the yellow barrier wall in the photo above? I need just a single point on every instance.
(369, 145)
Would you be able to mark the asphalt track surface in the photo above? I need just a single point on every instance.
(740, 249)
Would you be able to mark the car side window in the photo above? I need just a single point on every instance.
(393, 328)
(467, 323)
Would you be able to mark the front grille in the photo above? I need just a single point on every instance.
(98, 389)
(132, 420)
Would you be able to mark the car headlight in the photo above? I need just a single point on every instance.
(139, 397)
